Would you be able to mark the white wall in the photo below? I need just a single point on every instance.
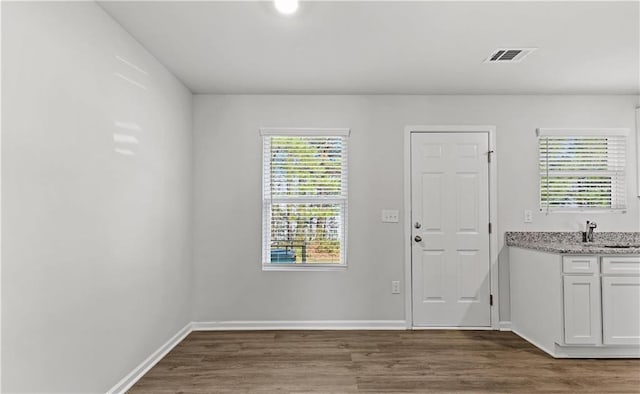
(229, 282)
(96, 176)
(96, 252)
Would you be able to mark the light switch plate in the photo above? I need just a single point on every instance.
(395, 287)
(390, 216)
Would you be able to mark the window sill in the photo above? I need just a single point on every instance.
(589, 211)
(304, 267)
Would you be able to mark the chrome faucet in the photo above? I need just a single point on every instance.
(589, 233)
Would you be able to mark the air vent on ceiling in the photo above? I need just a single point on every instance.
(509, 55)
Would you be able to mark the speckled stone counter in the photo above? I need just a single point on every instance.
(571, 242)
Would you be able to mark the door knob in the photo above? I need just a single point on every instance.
(418, 238)
(417, 225)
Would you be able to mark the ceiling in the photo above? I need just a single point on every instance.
(392, 47)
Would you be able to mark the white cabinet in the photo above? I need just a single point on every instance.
(582, 306)
(621, 310)
(581, 310)
(601, 298)
(581, 300)
(621, 300)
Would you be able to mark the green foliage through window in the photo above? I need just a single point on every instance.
(305, 199)
(582, 172)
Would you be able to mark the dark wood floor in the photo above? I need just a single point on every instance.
(378, 361)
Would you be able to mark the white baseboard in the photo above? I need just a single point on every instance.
(504, 326)
(138, 372)
(460, 328)
(300, 325)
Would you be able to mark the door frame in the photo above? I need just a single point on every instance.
(493, 218)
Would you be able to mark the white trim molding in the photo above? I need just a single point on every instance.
(1, 205)
(304, 131)
(504, 326)
(638, 147)
(138, 372)
(577, 132)
(493, 215)
(470, 328)
(300, 325)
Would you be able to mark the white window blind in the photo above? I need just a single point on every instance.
(304, 198)
(582, 170)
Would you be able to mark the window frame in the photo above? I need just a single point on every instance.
(266, 229)
(584, 132)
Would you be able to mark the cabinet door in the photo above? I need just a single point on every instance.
(621, 310)
(581, 310)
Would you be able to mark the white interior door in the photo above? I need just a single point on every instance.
(450, 229)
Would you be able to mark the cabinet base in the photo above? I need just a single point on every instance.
(611, 351)
(579, 351)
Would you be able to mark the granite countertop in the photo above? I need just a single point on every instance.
(571, 242)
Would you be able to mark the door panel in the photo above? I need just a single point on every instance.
(450, 199)
(469, 278)
(432, 197)
(433, 270)
(467, 201)
(581, 310)
(621, 310)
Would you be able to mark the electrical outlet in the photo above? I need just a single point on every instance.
(395, 287)
(390, 216)
(528, 216)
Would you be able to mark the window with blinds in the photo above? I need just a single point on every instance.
(304, 198)
(582, 170)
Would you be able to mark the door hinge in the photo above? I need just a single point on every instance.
(489, 227)
(489, 156)
(490, 299)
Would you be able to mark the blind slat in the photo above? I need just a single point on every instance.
(582, 172)
(304, 198)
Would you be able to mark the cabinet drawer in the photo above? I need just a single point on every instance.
(579, 264)
(621, 265)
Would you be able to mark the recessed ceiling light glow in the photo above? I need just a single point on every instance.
(286, 7)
